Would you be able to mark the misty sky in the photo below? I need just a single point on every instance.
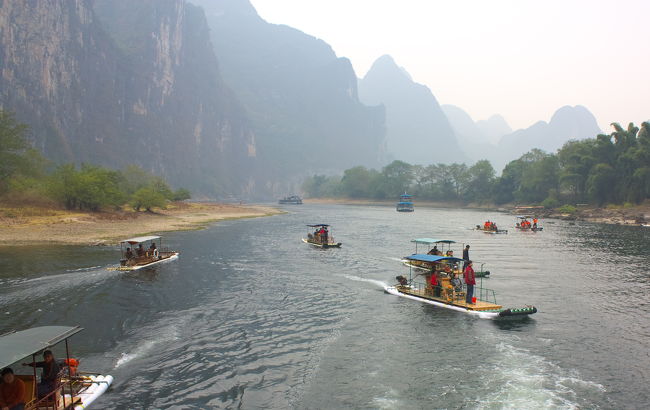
(519, 58)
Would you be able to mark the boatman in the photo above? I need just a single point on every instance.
(470, 281)
(465, 256)
(50, 375)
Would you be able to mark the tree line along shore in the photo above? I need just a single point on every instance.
(608, 172)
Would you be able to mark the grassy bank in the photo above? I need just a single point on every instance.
(33, 225)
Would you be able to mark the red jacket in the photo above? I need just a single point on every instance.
(469, 276)
(434, 280)
(12, 394)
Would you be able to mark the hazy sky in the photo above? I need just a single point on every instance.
(519, 58)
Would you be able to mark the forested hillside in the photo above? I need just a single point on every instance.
(611, 168)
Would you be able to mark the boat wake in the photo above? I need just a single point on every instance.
(379, 283)
(49, 285)
(527, 380)
(142, 349)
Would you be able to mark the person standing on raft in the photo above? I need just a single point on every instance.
(470, 281)
(465, 256)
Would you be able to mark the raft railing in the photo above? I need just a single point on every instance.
(480, 293)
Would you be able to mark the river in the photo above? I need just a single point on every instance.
(250, 317)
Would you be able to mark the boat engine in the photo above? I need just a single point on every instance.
(402, 280)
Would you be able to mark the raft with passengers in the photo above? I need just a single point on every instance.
(442, 286)
(321, 237)
(62, 386)
(144, 252)
(490, 227)
(528, 223)
(444, 250)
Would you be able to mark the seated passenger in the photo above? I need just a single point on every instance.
(450, 253)
(128, 254)
(12, 391)
(433, 251)
(50, 375)
(152, 249)
(456, 283)
(140, 250)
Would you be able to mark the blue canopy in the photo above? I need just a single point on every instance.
(432, 258)
(404, 203)
(429, 241)
(317, 225)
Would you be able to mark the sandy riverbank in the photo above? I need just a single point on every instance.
(27, 225)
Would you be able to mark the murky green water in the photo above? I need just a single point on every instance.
(251, 317)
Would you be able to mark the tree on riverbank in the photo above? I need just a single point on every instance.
(612, 168)
(23, 177)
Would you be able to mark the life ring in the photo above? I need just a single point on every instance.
(155, 253)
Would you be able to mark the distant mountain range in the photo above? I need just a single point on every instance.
(418, 131)
(214, 98)
(493, 139)
(301, 98)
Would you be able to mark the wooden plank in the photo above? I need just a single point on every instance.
(427, 293)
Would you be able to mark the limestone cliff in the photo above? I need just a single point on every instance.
(301, 97)
(116, 82)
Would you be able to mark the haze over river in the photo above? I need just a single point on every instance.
(251, 317)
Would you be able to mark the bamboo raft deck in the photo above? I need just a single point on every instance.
(450, 297)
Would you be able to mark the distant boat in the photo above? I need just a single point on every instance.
(140, 258)
(405, 203)
(322, 237)
(292, 200)
(524, 224)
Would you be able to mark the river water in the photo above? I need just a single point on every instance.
(251, 317)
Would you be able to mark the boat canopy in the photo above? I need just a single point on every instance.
(433, 258)
(429, 241)
(317, 225)
(404, 203)
(18, 345)
(140, 239)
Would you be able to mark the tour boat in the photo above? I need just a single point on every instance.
(74, 390)
(144, 257)
(422, 265)
(405, 203)
(446, 296)
(523, 224)
(322, 237)
(291, 200)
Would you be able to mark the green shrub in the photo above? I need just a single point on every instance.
(148, 198)
(181, 194)
(550, 203)
(567, 209)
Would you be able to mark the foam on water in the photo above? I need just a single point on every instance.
(51, 285)
(153, 337)
(379, 283)
(526, 380)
